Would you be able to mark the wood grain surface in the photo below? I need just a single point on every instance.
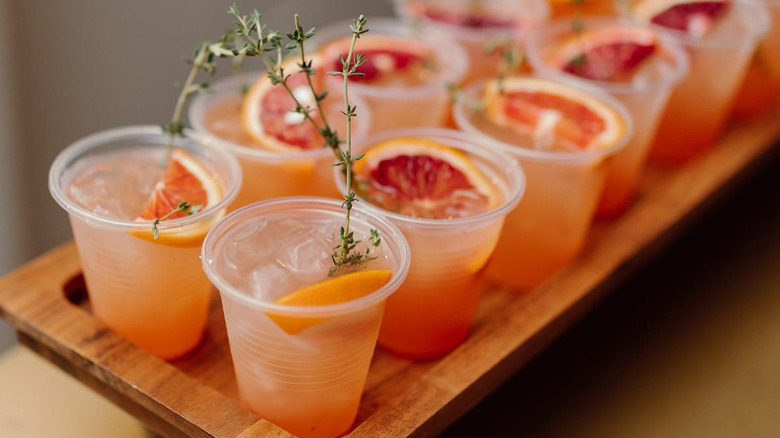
(197, 395)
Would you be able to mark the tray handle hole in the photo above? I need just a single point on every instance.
(75, 289)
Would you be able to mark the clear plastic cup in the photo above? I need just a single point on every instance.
(645, 98)
(769, 49)
(399, 106)
(153, 294)
(760, 89)
(515, 18)
(272, 174)
(569, 8)
(433, 310)
(309, 382)
(699, 106)
(548, 228)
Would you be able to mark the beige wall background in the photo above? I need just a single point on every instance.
(72, 67)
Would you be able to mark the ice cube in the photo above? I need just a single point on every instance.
(305, 254)
(268, 282)
(248, 247)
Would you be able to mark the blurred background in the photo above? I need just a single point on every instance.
(71, 68)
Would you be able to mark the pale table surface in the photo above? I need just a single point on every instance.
(690, 346)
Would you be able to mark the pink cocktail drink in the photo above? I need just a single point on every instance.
(283, 155)
(150, 291)
(720, 39)
(406, 73)
(564, 138)
(302, 367)
(449, 197)
(477, 26)
(629, 62)
(760, 90)
(588, 8)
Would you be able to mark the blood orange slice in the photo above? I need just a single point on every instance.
(335, 290)
(553, 115)
(692, 16)
(184, 180)
(420, 178)
(388, 60)
(474, 17)
(267, 112)
(605, 54)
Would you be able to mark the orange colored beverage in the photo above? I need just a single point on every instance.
(152, 292)
(760, 90)
(548, 229)
(568, 8)
(769, 49)
(720, 48)
(634, 66)
(477, 25)
(272, 168)
(406, 67)
(449, 198)
(302, 367)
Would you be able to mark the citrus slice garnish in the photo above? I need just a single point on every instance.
(335, 290)
(421, 178)
(473, 16)
(268, 116)
(553, 115)
(184, 180)
(693, 16)
(605, 54)
(389, 61)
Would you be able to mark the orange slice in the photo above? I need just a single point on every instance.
(421, 178)
(267, 112)
(605, 54)
(335, 290)
(389, 61)
(553, 115)
(472, 15)
(185, 179)
(693, 16)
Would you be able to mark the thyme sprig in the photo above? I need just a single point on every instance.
(183, 207)
(349, 66)
(578, 27)
(458, 95)
(511, 57)
(204, 59)
(259, 43)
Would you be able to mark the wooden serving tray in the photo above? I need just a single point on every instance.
(197, 396)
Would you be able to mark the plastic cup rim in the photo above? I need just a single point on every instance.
(475, 35)
(681, 63)
(733, 39)
(402, 252)
(98, 139)
(199, 132)
(552, 156)
(450, 51)
(513, 172)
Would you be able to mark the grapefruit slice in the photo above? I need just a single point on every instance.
(335, 290)
(268, 117)
(692, 16)
(420, 178)
(605, 54)
(388, 60)
(184, 180)
(475, 17)
(553, 115)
